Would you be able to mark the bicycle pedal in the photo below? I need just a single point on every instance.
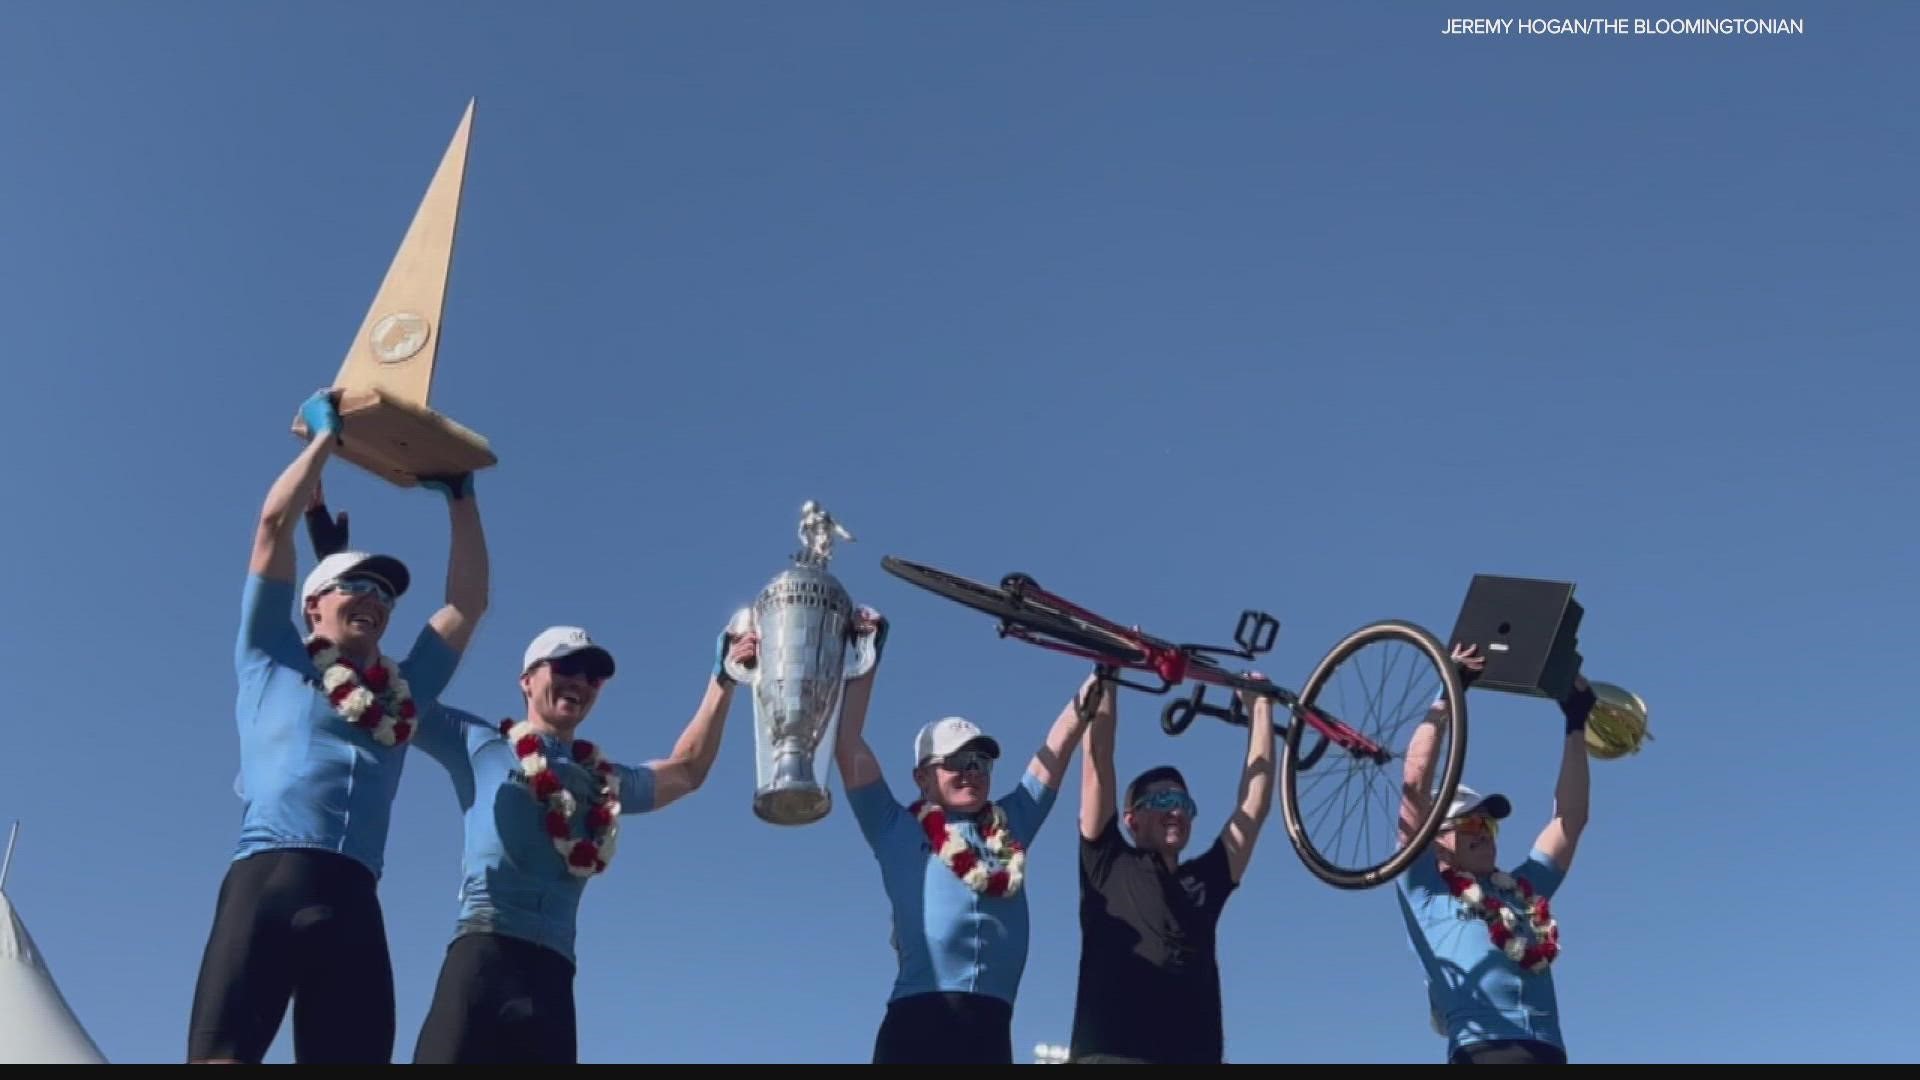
(1258, 638)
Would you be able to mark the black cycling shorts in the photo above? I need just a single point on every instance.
(500, 1000)
(945, 1029)
(300, 925)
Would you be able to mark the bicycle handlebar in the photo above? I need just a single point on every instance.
(1180, 713)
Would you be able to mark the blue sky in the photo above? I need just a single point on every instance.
(1181, 312)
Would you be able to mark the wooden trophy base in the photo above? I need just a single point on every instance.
(401, 442)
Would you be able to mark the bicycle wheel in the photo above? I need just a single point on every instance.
(1384, 715)
(1030, 614)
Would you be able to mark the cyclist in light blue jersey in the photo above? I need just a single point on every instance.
(325, 721)
(960, 927)
(542, 813)
(1486, 937)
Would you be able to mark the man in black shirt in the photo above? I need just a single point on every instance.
(1149, 978)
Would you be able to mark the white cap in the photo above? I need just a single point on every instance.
(947, 735)
(341, 563)
(557, 641)
(1466, 801)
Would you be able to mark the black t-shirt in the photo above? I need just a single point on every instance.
(1149, 976)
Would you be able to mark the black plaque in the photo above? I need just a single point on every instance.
(1528, 630)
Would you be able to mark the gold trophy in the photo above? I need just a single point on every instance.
(386, 425)
(1528, 631)
(1618, 723)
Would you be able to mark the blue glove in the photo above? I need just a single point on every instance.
(321, 416)
(720, 647)
(454, 486)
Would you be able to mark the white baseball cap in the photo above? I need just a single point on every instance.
(1466, 801)
(388, 569)
(557, 641)
(948, 735)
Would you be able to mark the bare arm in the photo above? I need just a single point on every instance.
(467, 574)
(858, 766)
(682, 774)
(1562, 835)
(285, 505)
(1050, 761)
(1097, 785)
(1256, 786)
(1417, 772)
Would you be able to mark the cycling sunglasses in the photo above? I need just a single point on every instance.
(361, 586)
(586, 664)
(1166, 799)
(967, 761)
(1477, 823)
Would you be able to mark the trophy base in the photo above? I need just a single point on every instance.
(1527, 629)
(400, 442)
(792, 805)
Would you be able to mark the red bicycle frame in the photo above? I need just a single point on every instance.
(1175, 664)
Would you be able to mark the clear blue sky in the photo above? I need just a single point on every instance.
(1181, 311)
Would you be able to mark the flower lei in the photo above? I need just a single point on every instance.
(958, 854)
(377, 700)
(1501, 921)
(584, 858)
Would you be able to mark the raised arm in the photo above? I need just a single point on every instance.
(1417, 770)
(858, 767)
(287, 499)
(467, 564)
(682, 774)
(1050, 761)
(1098, 788)
(1562, 835)
(1256, 785)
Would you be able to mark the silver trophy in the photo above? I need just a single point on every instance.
(808, 651)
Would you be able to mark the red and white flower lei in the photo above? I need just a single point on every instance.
(1502, 923)
(584, 858)
(954, 850)
(377, 701)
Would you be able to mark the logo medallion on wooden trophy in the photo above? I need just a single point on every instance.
(387, 426)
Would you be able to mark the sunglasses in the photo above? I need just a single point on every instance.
(361, 586)
(1165, 800)
(1477, 824)
(967, 761)
(580, 665)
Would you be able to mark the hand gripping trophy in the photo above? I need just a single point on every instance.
(808, 652)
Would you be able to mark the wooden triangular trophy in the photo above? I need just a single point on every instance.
(386, 426)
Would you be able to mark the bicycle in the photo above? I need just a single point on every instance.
(1029, 613)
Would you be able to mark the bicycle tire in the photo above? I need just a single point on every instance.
(1367, 877)
(995, 601)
